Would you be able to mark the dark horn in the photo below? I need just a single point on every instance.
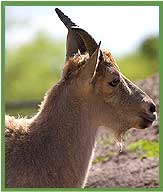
(89, 42)
(65, 19)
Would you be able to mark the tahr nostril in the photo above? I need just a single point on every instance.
(152, 108)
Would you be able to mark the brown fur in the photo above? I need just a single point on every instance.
(54, 148)
(38, 149)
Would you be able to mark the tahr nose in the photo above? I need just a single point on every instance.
(152, 108)
(151, 111)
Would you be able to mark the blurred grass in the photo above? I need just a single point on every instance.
(35, 66)
(136, 66)
(101, 159)
(24, 112)
(145, 148)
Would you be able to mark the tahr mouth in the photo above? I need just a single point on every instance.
(147, 120)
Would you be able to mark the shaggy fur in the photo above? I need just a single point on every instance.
(55, 147)
(38, 149)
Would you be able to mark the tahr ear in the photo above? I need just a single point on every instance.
(74, 42)
(91, 65)
(88, 40)
(94, 52)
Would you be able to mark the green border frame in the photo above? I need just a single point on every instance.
(77, 3)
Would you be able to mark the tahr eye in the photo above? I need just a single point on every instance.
(115, 82)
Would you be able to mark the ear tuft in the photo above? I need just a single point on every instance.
(74, 64)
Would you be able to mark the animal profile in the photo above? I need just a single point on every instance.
(55, 147)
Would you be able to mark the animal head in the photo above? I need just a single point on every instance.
(119, 103)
